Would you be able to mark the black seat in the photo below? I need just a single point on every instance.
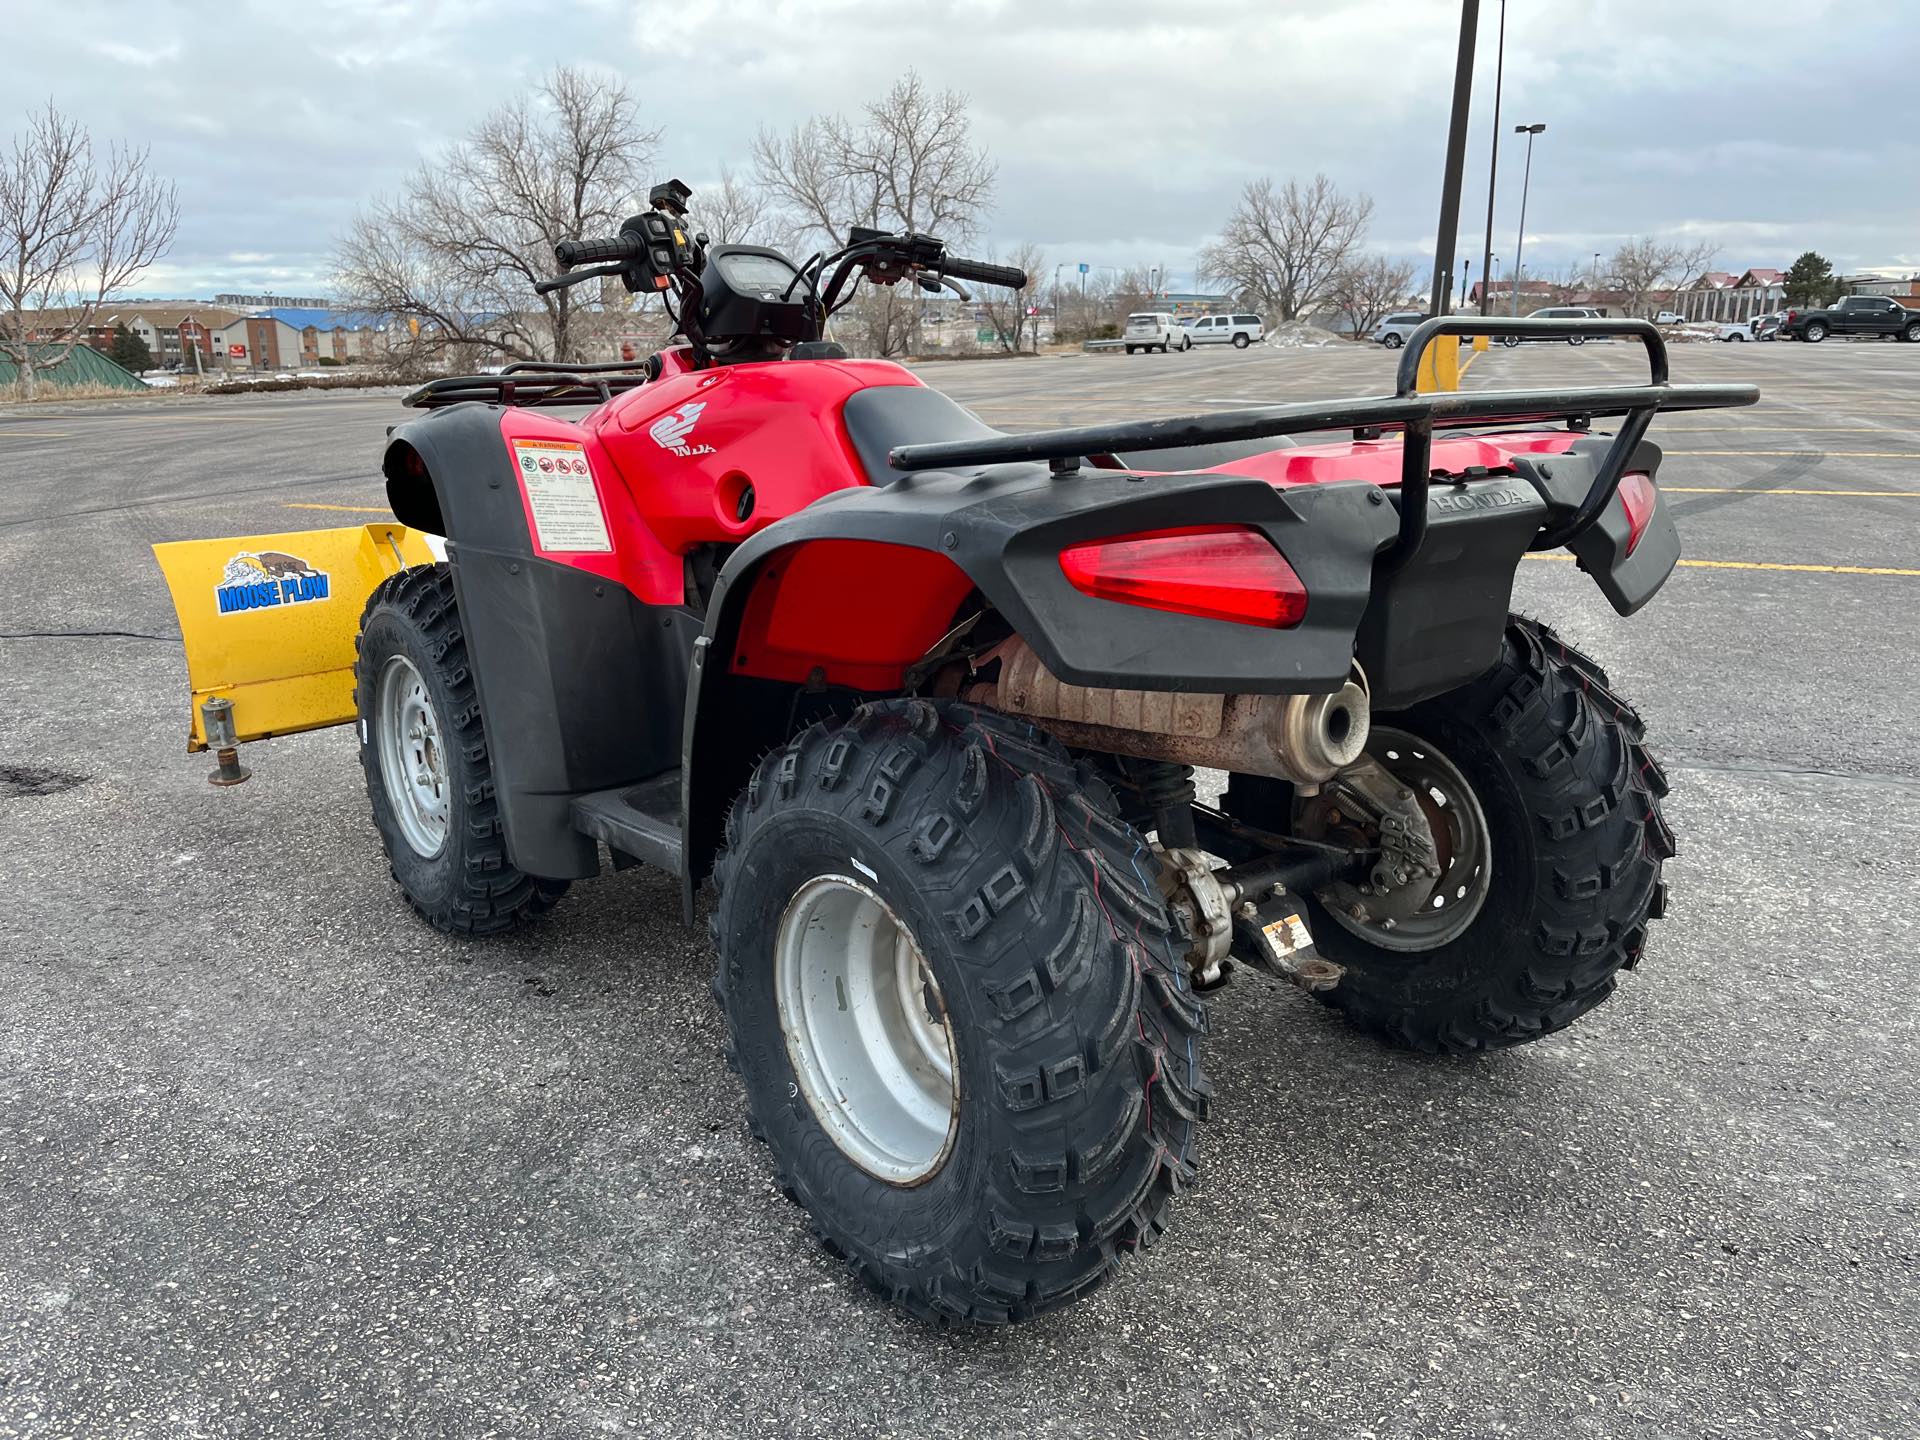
(1194, 457)
(883, 416)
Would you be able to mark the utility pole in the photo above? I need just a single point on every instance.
(1493, 164)
(1456, 159)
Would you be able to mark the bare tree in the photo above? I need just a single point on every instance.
(1367, 288)
(73, 229)
(1007, 309)
(734, 212)
(1645, 267)
(1281, 248)
(459, 249)
(907, 163)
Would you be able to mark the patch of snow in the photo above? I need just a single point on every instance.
(1298, 335)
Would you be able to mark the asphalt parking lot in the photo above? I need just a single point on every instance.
(276, 1160)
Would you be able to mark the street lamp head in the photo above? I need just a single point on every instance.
(1528, 129)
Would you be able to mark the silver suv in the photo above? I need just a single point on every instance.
(1152, 330)
(1393, 330)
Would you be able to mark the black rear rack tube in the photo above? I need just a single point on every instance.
(1416, 416)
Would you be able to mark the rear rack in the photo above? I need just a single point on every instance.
(538, 382)
(1414, 415)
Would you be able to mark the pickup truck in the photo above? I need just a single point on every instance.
(1853, 315)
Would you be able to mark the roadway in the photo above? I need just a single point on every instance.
(274, 1159)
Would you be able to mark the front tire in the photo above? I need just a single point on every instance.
(1048, 974)
(1568, 802)
(429, 773)
(1912, 333)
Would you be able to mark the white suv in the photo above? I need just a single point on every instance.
(1394, 330)
(1238, 330)
(1154, 330)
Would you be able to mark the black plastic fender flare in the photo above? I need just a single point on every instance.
(1004, 526)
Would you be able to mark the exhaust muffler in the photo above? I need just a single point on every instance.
(1307, 739)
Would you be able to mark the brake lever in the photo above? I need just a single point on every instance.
(561, 282)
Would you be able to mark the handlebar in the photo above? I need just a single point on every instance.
(982, 273)
(615, 251)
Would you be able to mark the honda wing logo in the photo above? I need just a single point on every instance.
(671, 430)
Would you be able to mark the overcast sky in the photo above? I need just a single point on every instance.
(1122, 129)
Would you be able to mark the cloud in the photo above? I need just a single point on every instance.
(145, 58)
(1122, 129)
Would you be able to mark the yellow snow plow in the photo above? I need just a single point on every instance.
(269, 621)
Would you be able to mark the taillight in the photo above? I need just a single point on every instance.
(1639, 496)
(1219, 574)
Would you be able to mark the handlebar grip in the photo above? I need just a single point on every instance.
(596, 252)
(982, 273)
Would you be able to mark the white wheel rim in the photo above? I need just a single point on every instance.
(413, 758)
(866, 1029)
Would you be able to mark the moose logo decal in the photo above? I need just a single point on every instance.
(671, 430)
(255, 581)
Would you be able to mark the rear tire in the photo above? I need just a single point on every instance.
(1814, 334)
(1241, 341)
(1393, 342)
(1571, 803)
(429, 774)
(1070, 1023)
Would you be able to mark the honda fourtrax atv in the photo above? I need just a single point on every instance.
(926, 701)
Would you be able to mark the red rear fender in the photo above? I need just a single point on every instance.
(858, 611)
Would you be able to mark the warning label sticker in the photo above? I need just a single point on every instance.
(560, 493)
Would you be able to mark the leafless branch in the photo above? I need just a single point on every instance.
(908, 163)
(74, 228)
(1281, 248)
(1367, 288)
(456, 253)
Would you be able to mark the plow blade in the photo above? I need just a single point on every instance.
(269, 621)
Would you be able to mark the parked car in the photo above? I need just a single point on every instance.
(1854, 315)
(1669, 317)
(1394, 329)
(1239, 331)
(1723, 329)
(1766, 327)
(1154, 330)
(1556, 312)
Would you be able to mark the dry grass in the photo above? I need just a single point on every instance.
(50, 394)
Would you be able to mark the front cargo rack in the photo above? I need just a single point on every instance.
(538, 382)
(1415, 416)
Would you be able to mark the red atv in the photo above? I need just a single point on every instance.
(926, 700)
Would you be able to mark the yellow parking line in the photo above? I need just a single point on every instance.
(350, 509)
(1827, 454)
(1743, 490)
(1783, 430)
(1769, 565)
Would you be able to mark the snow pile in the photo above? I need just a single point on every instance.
(1298, 335)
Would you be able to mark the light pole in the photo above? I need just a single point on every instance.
(1442, 300)
(1526, 178)
(1493, 163)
